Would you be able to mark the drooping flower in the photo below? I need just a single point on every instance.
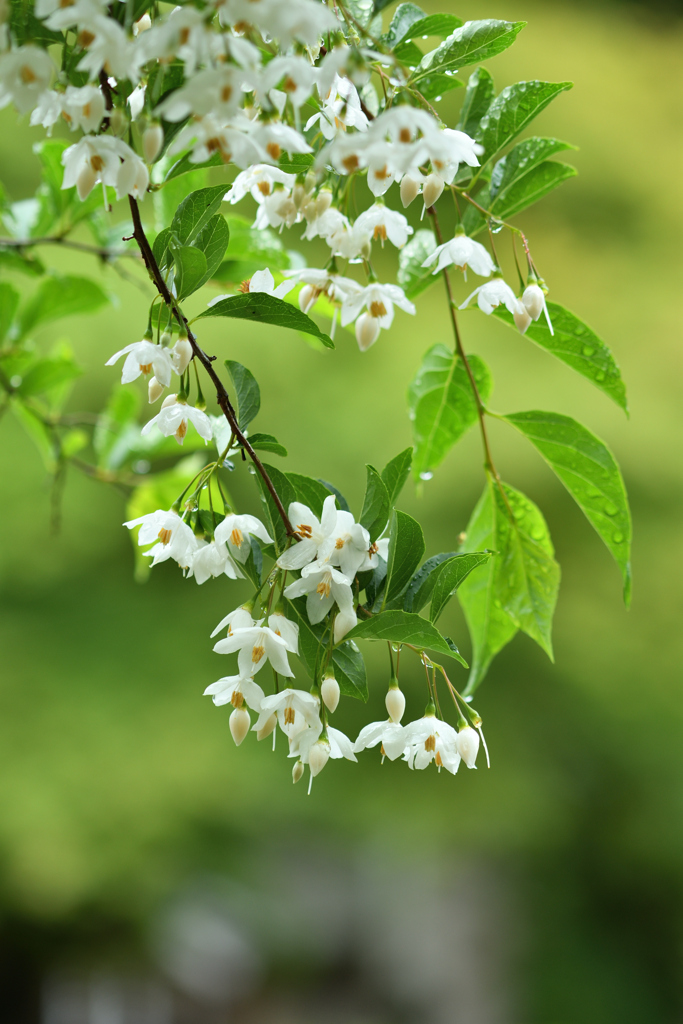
(25, 73)
(429, 739)
(380, 223)
(175, 538)
(106, 159)
(346, 546)
(235, 531)
(324, 587)
(288, 630)
(238, 618)
(492, 293)
(256, 644)
(259, 181)
(296, 711)
(212, 559)
(463, 252)
(315, 750)
(312, 533)
(235, 690)
(379, 301)
(468, 745)
(174, 417)
(533, 299)
(144, 357)
(388, 733)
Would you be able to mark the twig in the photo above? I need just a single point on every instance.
(67, 243)
(206, 361)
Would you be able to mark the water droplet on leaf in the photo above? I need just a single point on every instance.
(426, 475)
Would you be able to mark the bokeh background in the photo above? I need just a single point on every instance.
(150, 872)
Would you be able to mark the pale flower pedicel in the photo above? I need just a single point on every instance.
(305, 123)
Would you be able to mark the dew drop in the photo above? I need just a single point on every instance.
(588, 350)
(252, 469)
(537, 533)
(618, 538)
(600, 376)
(610, 509)
(426, 475)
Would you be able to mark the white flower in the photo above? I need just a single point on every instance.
(274, 137)
(234, 141)
(144, 357)
(388, 733)
(429, 739)
(256, 645)
(380, 223)
(238, 618)
(107, 48)
(258, 181)
(323, 587)
(462, 252)
(492, 294)
(83, 108)
(534, 303)
(346, 546)
(48, 110)
(311, 531)
(176, 539)
(341, 109)
(379, 300)
(316, 749)
(296, 711)
(468, 745)
(62, 16)
(173, 419)
(288, 630)
(235, 690)
(301, 20)
(215, 91)
(235, 531)
(446, 149)
(25, 73)
(395, 702)
(319, 282)
(296, 75)
(212, 559)
(263, 281)
(185, 34)
(380, 549)
(106, 159)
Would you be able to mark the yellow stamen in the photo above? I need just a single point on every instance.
(164, 536)
(304, 531)
(27, 75)
(237, 699)
(430, 742)
(324, 587)
(85, 39)
(377, 309)
(257, 653)
(380, 233)
(236, 538)
(289, 716)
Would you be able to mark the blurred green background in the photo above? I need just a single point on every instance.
(151, 872)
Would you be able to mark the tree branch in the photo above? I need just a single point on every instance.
(67, 243)
(222, 396)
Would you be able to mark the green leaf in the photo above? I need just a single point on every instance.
(213, 241)
(528, 575)
(297, 163)
(247, 392)
(395, 474)
(587, 468)
(434, 25)
(195, 212)
(412, 276)
(267, 443)
(449, 577)
(266, 309)
(478, 99)
(185, 165)
(38, 432)
(190, 269)
(520, 160)
(405, 16)
(286, 493)
(48, 374)
(512, 111)
(408, 53)
(376, 505)
(400, 627)
(422, 584)
(533, 186)
(309, 491)
(442, 405)
(473, 42)
(349, 667)
(253, 566)
(342, 503)
(434, 86)
(61, 296)
(161, 248)
(578, 346)
(9, 302)
(406, 548)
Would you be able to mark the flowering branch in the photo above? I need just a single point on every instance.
(222, 396)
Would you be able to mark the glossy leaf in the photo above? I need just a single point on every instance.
(442, 406)
(478, 99)
(489, 625)
(213, 240)
(253, 567)
(162, 248)
(309, 491)
(349, 667)
(376, 505)
(576, 345)
(267, 443)
(395, 474)
(422, 584)
(406, 547)
(433, 25)
(520, 160)
(286, 493)
(195, 212)
(473, 42)
(433, 87)
(450, 575)
(533, 186)
(185, 165)
(587, 468)
(189, 269)
(401, 627)
(247, 392)
(57, 297)
(512, 111)
(412, 276)
(266, 309)
(342, 503)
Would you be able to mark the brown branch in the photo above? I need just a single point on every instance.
(222, 396)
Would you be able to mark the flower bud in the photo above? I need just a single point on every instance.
(433, 187)
(85, 182)
(118, 121)
(468, 745)
(169, 400)
(307, 296)
(534, 300)
(239, 724)
(154, 390)
(323, 202)
(367, 331)
(181, 354)
(142, 24)
(522, 320)
(396, 703)
(152, 141)
(267, 728)
(298, 195)
(330, 692)
(409, 189)
(166, 338)
(297, 772)
(318, 757)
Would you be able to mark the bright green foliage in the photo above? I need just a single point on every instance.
(400, 627)
(412, 276)
(376, 504)
(473, 42)
(512, 111)
(247, 392)
(349, 667)
(450, 575)
(406, 547)
(395, 474)
(267, 309)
